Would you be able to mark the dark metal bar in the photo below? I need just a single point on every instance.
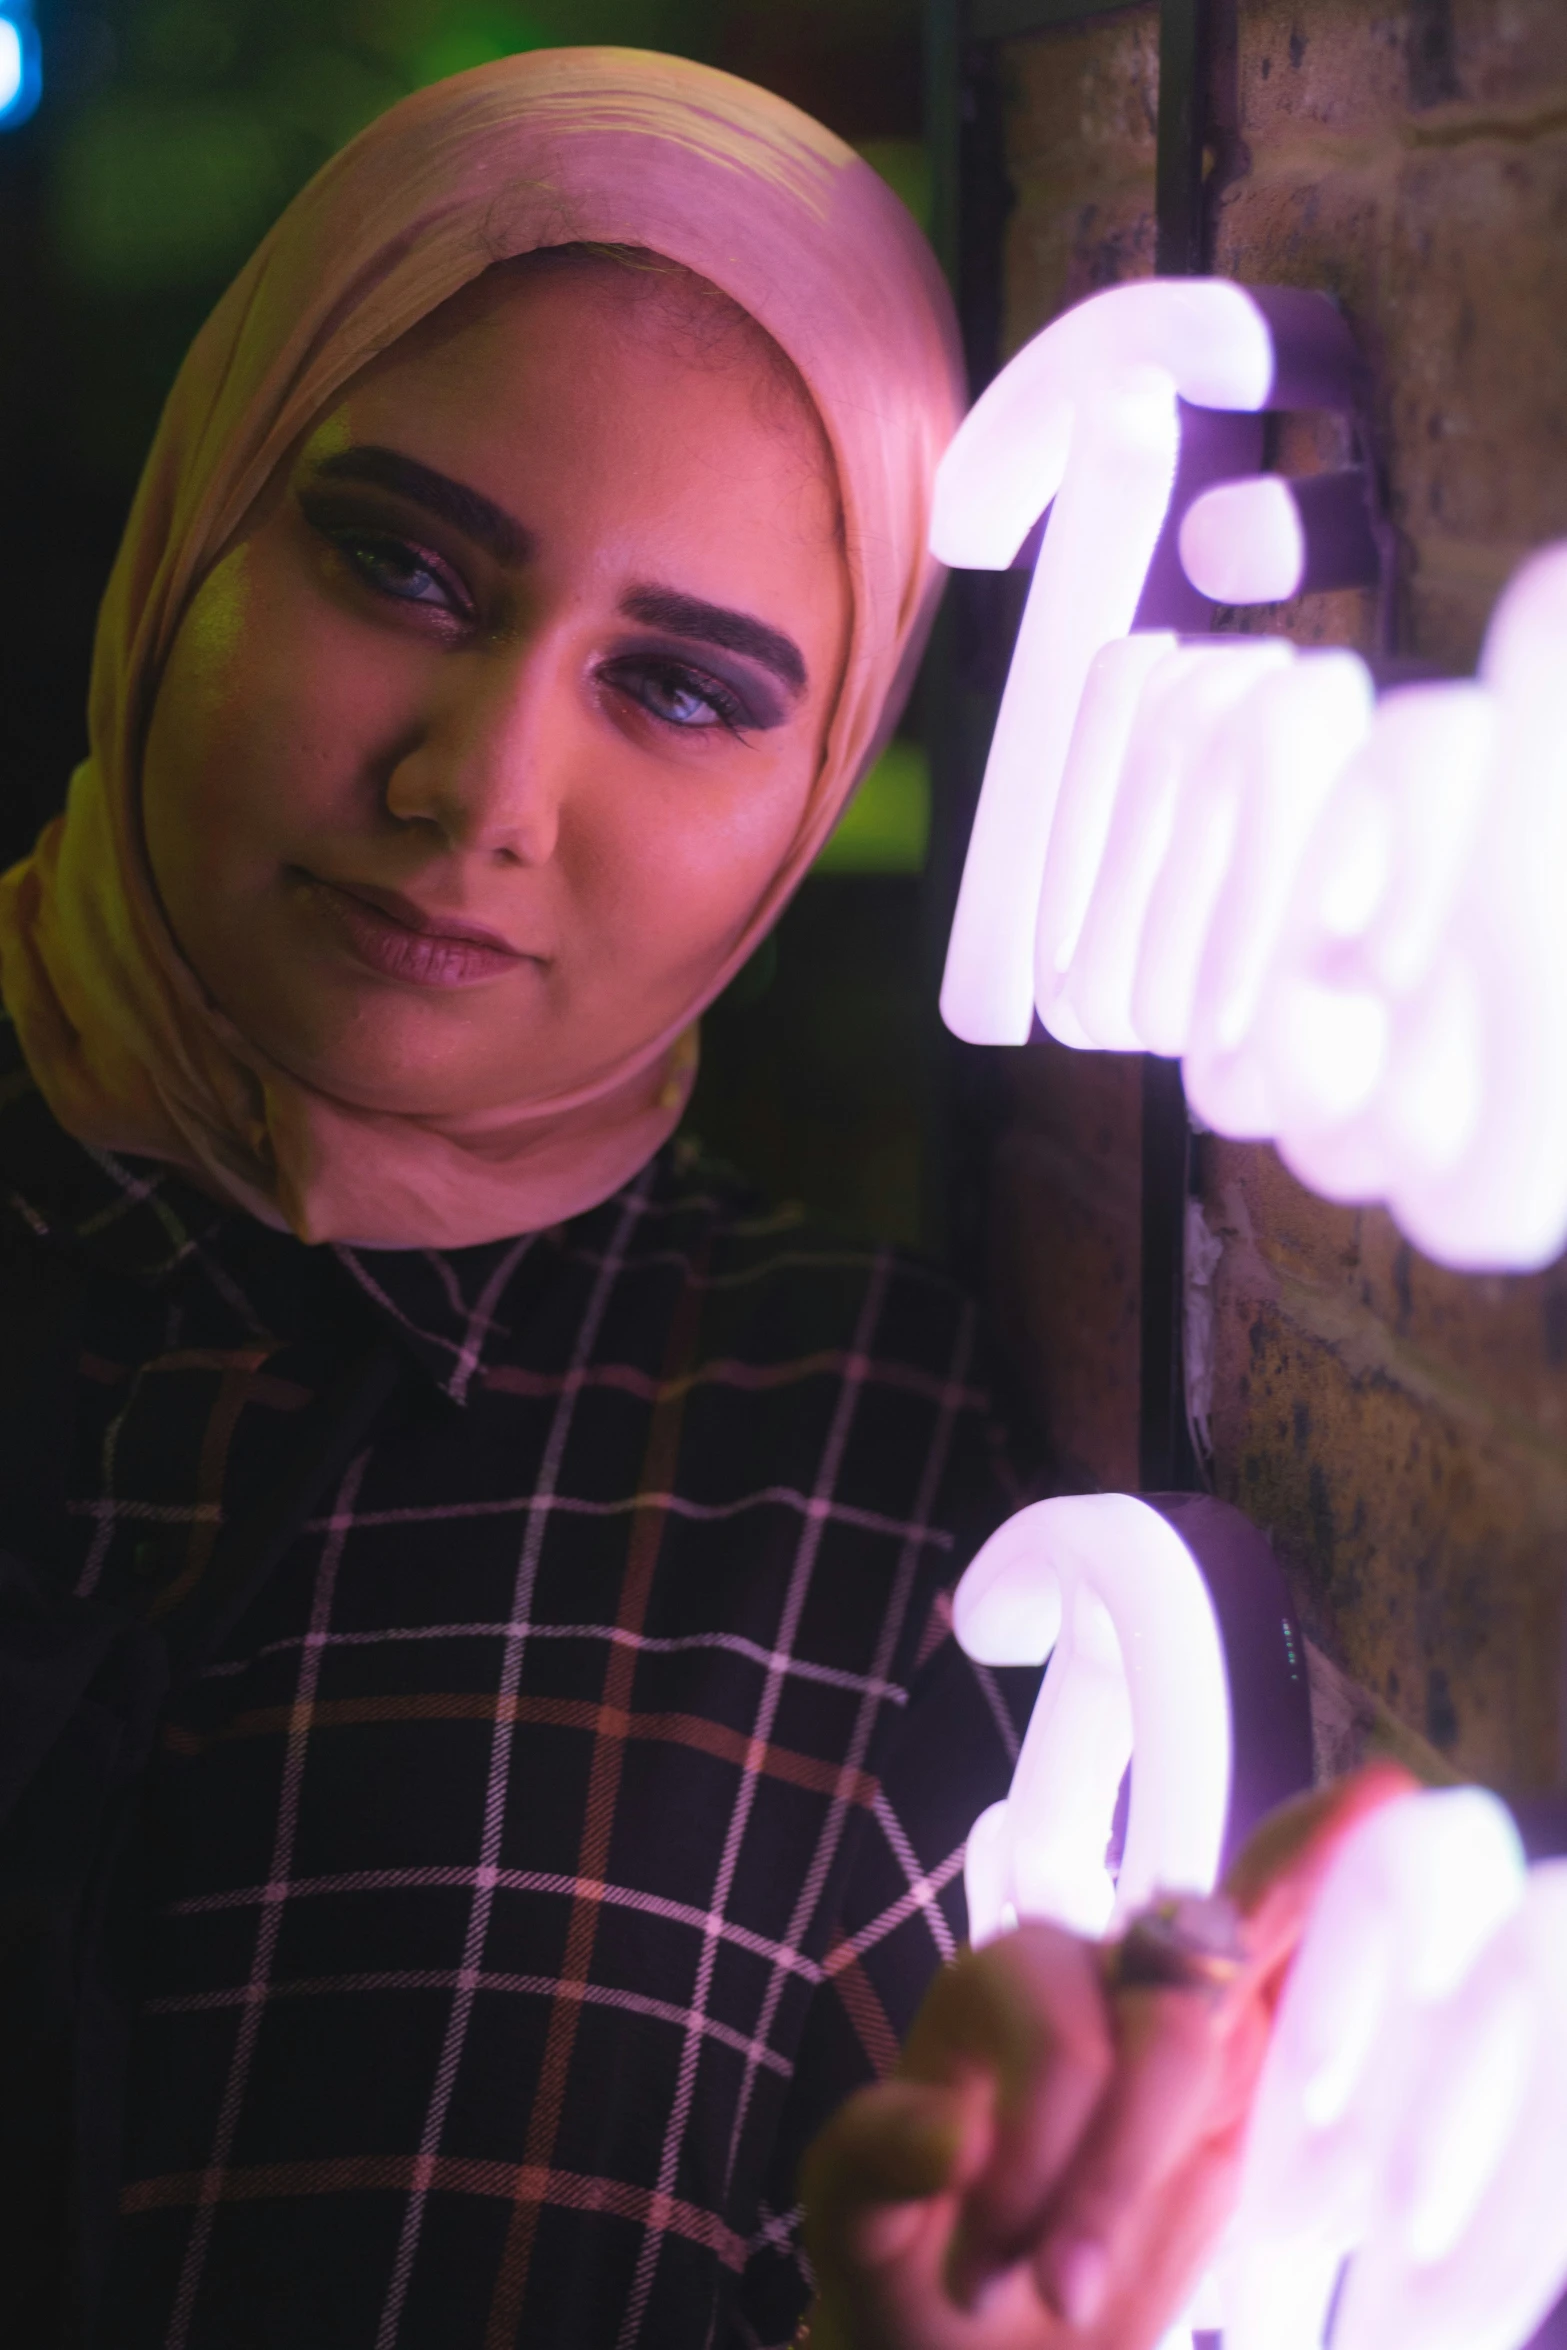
(1001, 20)
(967, 662)
(1180, 244)
(1165, 1459)
(943, 125)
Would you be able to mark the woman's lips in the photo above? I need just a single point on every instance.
(402, 940)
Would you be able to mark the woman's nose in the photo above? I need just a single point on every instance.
(485, 771)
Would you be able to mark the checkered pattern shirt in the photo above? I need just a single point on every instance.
(577, 1817)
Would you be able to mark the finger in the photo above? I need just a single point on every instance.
(1275, 1879)
(1030, 2016)
(1186, 2070)
(868, 2179)
(1170, 2094)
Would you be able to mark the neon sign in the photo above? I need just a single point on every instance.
(1101, 1585)
(1169, 1630)
(1413, 2108)
(1341, 912)
(1412, 2114)
(1338, 911)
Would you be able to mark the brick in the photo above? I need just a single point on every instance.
(1319, 67)
(1083, 101)
(1334, 73)
(1491, 1349)
(1509, 55)
(1476, 295)
(1426, 1560)
(1061, 254)
(1447, 592)
(1081, 122)
(1308, 227)
(1066, 1248)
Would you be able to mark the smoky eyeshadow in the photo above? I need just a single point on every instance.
(759, 709)
(338, 506)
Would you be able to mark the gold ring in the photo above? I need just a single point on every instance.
(1182, 1942)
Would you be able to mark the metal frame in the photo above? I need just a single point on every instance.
(957, 33)
(999, 20)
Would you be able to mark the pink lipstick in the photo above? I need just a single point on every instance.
(400, 939)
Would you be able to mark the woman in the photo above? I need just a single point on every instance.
(530, 559)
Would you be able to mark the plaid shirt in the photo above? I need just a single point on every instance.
(577, 1817)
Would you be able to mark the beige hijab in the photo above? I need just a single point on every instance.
(603, 145)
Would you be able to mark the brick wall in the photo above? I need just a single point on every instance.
(1401, 1431)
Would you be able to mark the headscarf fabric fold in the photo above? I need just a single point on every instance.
(599, 146)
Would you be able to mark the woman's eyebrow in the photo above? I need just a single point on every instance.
(714, 624)
(479, 518)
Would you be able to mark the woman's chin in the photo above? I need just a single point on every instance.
(396, 1067)
(408, 1051)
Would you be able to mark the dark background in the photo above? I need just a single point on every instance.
(170, 134)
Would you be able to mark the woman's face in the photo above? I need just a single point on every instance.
(476, 750)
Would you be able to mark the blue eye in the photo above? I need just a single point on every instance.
(395, 569)
(679, 696)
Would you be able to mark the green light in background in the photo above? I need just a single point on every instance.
(165, 181)
(475, 37)
(153, 191)
(886, 826)
(906, 167)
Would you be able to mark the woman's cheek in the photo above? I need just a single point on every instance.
(696, 876)
(210, 757)
(272, 704)
(210, 650)
(733, 837)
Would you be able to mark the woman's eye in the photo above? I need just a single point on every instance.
(679, 696)
(392, 568)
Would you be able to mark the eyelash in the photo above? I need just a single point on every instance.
(676, 678)
(365, 551)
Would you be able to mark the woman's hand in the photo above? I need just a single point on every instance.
(1057, 2154)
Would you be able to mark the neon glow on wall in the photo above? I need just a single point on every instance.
(1341, 913)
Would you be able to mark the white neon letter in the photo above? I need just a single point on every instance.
(1085, 417)
(1105, 1587)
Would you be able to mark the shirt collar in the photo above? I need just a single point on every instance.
(452, 1309)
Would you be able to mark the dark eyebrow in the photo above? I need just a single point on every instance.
(713, 624)
(477, 517)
